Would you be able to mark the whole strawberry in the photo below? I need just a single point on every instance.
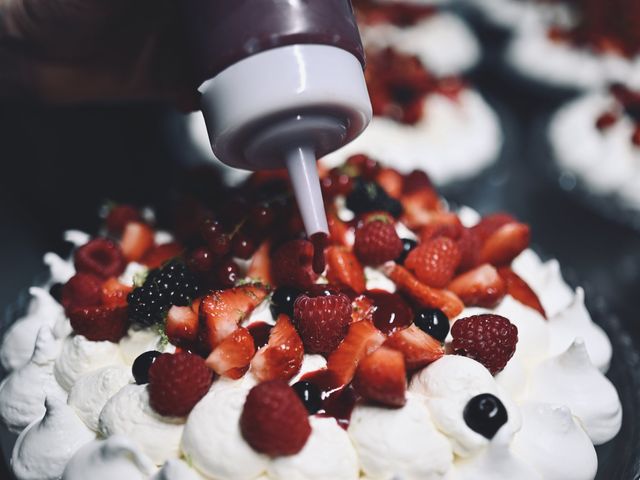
(435, 261)
(292, 264)
(322, 321)
(489, 339)
(274, 420)
(377, 242)
(177, 382)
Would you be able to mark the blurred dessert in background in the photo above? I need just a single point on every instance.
(595, 43)
(596, 138)
(421, 120)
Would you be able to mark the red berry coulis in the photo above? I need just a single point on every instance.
(337, 401)
(390, 311)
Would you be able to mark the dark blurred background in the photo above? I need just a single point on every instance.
(59, 164)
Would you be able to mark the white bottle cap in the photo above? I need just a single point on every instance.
(286, 107)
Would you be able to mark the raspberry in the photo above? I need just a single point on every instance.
(292, 264)
(82, 290)
(177, 382)
(377, 242)
(174, 284)
(274, 420)
(100, 323)
(119, 216)
(489, 339)
(435, 261)
(100, 256)
(322, 321)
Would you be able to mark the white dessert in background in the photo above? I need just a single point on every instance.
(425, 38)
(557, 404)
(515, 13)
(534, 54)
(454, 140)
(604, 160)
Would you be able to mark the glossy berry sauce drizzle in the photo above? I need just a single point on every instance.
(260, 332)
(319, 241)
(338, 401)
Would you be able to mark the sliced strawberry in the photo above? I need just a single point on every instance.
(281, 357)
(114, 293)
(481, 287)
(419, 348)
(469, 244)
(426, 296)
(338, 230)
(160, 254)
(442, 224)
(363, 308)
(390, 181)
(181, 325)
(381, 378)
(520, 290)
(505, 244)
(260, 266)
(232, 357)
(490, 223)
(362, 339)
(137, 239)
(345, 269)
(221, 312)
(419, 207)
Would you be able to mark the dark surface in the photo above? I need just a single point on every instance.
(59, 164)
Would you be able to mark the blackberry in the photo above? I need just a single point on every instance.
(174, 284)
(369, 196)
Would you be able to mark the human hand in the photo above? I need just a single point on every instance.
(72, 51)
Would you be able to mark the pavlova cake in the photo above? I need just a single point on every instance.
(596, 138)
(434, 344)
(597, 43)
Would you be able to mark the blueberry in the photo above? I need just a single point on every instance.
(310, 395)
(485, 414)
(141, 365)
(369, 196)
(434, 322)
(282, 301)
(56, 292)
(407, 246)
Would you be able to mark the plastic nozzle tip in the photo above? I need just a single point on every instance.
(301, 163)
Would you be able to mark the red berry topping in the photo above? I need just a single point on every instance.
(345, 269)
(274, 420)
(177, 382)
(119, 216)
(425, 295)
(415, 181)
(635, 136)
(293, 264)
(114, 293)
(418, 348)
(489, 339)
(101, 257)
(520, 290)
(381, 378)
(505, 244)
(377, 242)
(137, 240)
(100, 323)
(606, 120)
(435, 261)
(232, 357)
(282, 356)
(322, 321)
(490, 223)
(82, 290)
(481, 287)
